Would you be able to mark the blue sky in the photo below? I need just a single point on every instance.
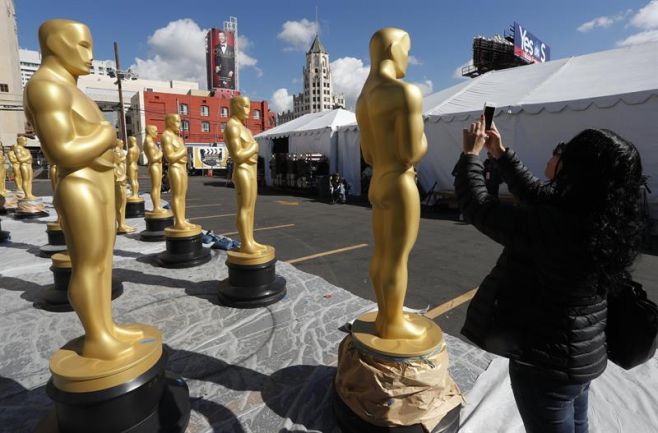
(164, 39)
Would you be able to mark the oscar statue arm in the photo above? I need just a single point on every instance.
(151, 151)
(49, 107)
(409, 127)
(23, 157)
(239, 155)
(363, 121)
(173, 155)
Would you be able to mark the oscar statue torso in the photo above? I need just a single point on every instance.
(3, 173)
(132, 157)
(16, 168)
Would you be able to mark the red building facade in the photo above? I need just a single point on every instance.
(203, 117)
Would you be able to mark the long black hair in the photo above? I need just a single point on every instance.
(600, 181)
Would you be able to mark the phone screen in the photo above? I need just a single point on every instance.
(488, 116)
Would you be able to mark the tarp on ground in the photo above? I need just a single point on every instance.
(310, 133)
(543, 104)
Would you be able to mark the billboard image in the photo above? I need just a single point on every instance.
(221, 56)
(209, 157)
(529, 47)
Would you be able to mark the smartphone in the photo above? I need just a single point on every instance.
(489, 109)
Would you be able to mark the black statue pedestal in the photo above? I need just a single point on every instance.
(252, 281)
(56, 240)
(4, 235)
(135, 207)
(184, 249)
(56, 297)
(349, 422)
(155, 402)
(156, 223)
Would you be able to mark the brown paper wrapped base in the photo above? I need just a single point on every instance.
(28, 209)
(395, 394)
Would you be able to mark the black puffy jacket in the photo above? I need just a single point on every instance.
(541, 303)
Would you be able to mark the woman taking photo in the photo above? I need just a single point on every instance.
(543, 305)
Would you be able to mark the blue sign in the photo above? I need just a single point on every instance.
(529, 47)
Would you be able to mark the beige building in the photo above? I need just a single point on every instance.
(318, 94)
(31, 60)
(12, 119)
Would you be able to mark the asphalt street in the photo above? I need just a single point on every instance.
(335, 242)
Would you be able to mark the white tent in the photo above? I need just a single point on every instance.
(541, 105)
(310, 133)
(349, 156)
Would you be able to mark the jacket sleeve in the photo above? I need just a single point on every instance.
(520, 182)
(523, 227)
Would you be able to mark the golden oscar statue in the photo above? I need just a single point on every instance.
(110, 361)
(252, 258)
(3, 171)
(135, 206)
(120, 192)
(159, 218)
(16, 169)
(389, 115)
(30, 206)
(184, 247)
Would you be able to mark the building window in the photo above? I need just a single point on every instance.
(182, 109)
(185, 125)
(224, 112)
(4, 88)
(205, 126)
(257, 114)
(204, 110)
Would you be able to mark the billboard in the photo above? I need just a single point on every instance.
(209, 157)
(528, 47)
(220, 59)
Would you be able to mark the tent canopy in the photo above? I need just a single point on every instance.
(312, 122)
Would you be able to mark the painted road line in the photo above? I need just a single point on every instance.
(262, 228)
(212, 216)
(453, 303)
(287, 203)
(326, 253)
(204, 205)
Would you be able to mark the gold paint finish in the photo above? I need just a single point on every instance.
(54, 227)
(61, 260)
(75, 136)
(389, 114)
(3, 171)
(174, 150)
(154, 156)
(173, 232)
(24, 157)
(243, 150)
(365, 333)
(16, 168)
(132, 158)
(237, 257)
(120, 193)
(52, 173)
(73, 372)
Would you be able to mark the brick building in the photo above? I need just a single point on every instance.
(203, 117)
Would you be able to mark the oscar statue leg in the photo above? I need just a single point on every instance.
(253, 195)
(156, 185)
(90, 237)
(378, 234)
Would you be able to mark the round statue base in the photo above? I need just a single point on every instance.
(183, 252)
(30, 215)
(56, 241)
(251, 286)
(30, 208)
(135, 209)
(56, 297)
(156, 401)
(155, 227)
(349, 422)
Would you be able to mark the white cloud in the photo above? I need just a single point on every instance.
(413, 60)
(596, 22)
(647, 17)
(298, 34)
(244, 59)
(640, 38)
(177, 53)
(426, 87)
(281, 100)
(348, 75)
(457, 73)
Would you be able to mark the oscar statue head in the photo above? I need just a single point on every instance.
(240, 107)
(132, 141)
(119, 144)
(390, 45)
(68, 43)
(172, 122)
(21, 141)
(152, 131)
